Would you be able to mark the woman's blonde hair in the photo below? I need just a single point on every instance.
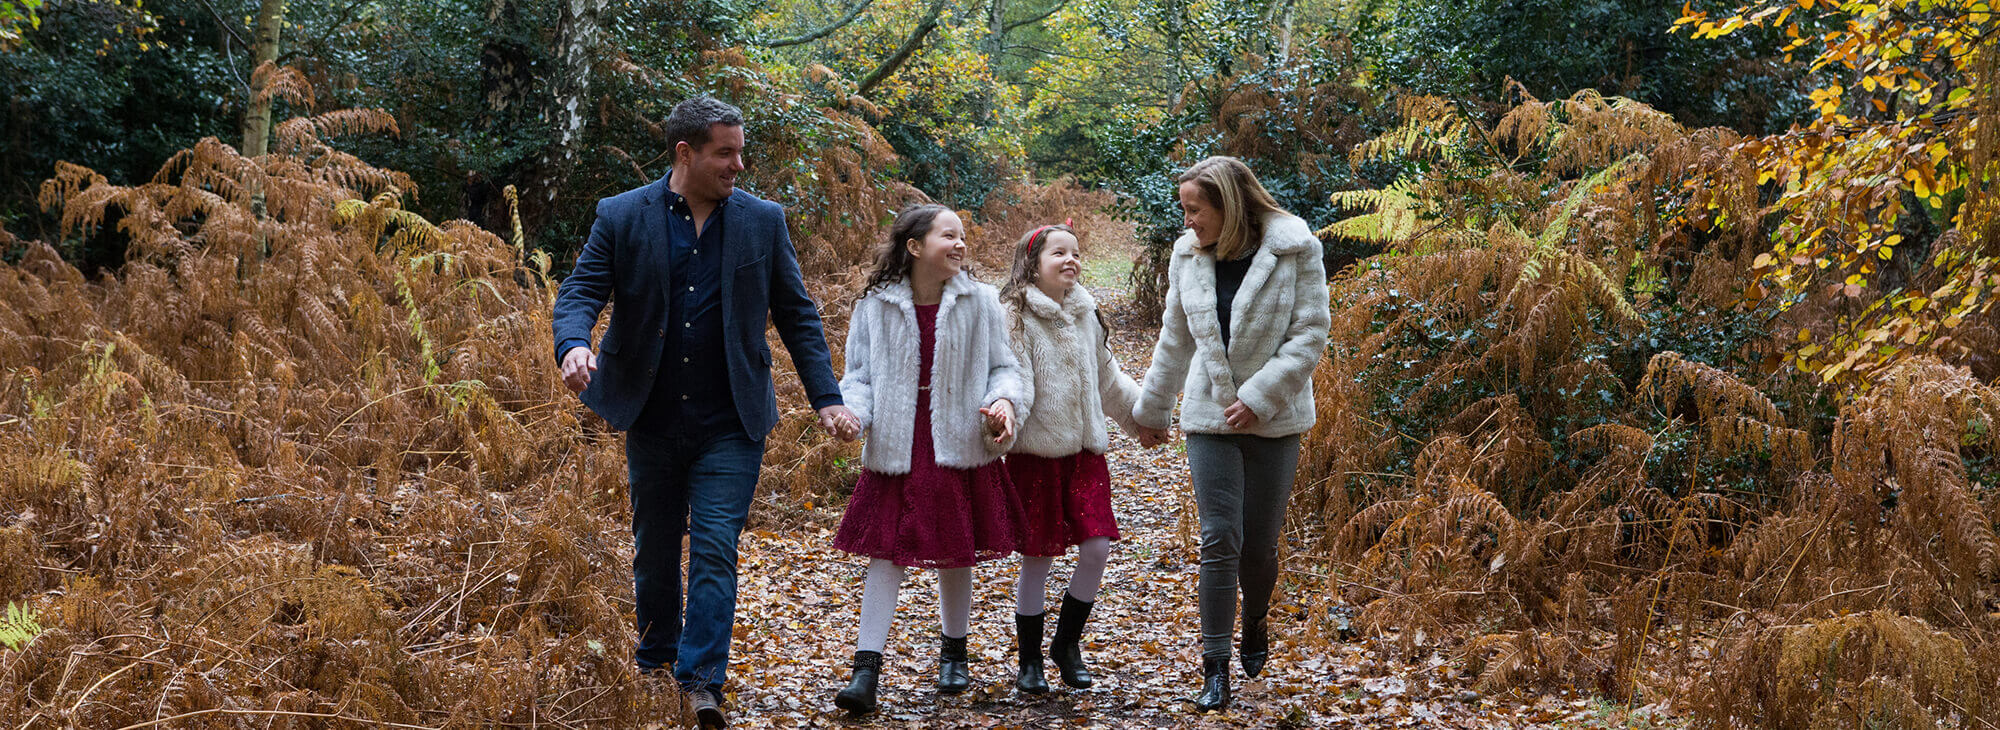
(1228, 185)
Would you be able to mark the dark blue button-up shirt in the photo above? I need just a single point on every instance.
(692, 393)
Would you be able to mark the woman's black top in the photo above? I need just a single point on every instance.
(1228, 278)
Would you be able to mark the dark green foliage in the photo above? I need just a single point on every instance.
(81, 90)
(1468, 49)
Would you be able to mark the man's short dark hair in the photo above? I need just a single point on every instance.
(689, 121)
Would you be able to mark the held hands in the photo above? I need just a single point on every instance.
(840, 422)
(1239, 417)
(999, 419)
(577, 366)
(1150, 437)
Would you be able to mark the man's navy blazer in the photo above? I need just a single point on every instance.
(625, 261)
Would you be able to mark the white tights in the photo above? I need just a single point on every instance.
(878, 602)
(1091, 557)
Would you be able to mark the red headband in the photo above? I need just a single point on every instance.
(1038, 230)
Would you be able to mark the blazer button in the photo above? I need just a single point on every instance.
(652, 371)
(663, 331)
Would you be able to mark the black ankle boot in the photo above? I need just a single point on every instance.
(1064, 647)
(953, 674)
(1214, 684)
(859, 697)
(1256, 646)
(1028, 645)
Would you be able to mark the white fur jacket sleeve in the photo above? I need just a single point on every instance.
(1073, 379)
(1277, 333)
(971, 368)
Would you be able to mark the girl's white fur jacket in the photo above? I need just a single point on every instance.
(971, 368)
(1277, 334)
(1073, 380)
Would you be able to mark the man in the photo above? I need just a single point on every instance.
(696, 267)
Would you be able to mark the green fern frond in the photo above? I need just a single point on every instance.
(1391, 217)
(18, 626)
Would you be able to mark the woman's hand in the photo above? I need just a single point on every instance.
(1150, 437)
(1000, 419)
(1239, 417)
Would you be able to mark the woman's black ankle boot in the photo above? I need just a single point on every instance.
(953, 674)
(1256, 646)
(1214, 684)
(1028, 645)
(1065, 648)
(859, 696)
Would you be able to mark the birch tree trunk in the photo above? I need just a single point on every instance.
(264, 50)
(579, 34)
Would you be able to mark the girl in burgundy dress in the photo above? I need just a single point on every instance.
(931, 378)
(1058, 463)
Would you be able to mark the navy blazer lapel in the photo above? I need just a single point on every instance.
(734, 235)
(733, 238)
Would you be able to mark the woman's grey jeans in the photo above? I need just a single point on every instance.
(1241, 486)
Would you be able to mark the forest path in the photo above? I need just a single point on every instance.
(800, 603)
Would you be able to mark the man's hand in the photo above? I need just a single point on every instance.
(1000, 419)
(577, 365)
(840, 422)
(1239, 417)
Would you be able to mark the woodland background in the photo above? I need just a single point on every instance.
(1663, 366)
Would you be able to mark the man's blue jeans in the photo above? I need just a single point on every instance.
(701, 484)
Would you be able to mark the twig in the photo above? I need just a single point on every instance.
(1800, 611)
(1961, 710)
(108, 677)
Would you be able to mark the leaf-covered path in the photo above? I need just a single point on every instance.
(800, 603)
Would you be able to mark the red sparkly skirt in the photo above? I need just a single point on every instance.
(934, 516)
(1065, 501)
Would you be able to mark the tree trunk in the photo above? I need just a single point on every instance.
(264, 50)
(996, 32)
(579, 34)
(1291, 8)
(1175, 23)
(507, 86)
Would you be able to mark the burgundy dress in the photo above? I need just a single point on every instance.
(1065, 500)
(934, 516)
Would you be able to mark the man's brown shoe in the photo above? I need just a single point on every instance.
(708, 709)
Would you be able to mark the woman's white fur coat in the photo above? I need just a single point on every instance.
(971, 368)
(1277, 334)
(1073, 380)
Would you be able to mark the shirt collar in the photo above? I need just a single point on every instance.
(674, 198)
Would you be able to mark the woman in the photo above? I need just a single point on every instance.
(1245, 322)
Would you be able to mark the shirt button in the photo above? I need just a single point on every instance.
(663, 331)
(684, 396)
(697, 252)
(685, 325)
(690, 288)
(684, 361)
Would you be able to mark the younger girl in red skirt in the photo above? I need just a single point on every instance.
(933, 383)
(1057, 464)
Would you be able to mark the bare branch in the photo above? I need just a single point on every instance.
(902, 55)
(822, 31)
(1053, 9)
